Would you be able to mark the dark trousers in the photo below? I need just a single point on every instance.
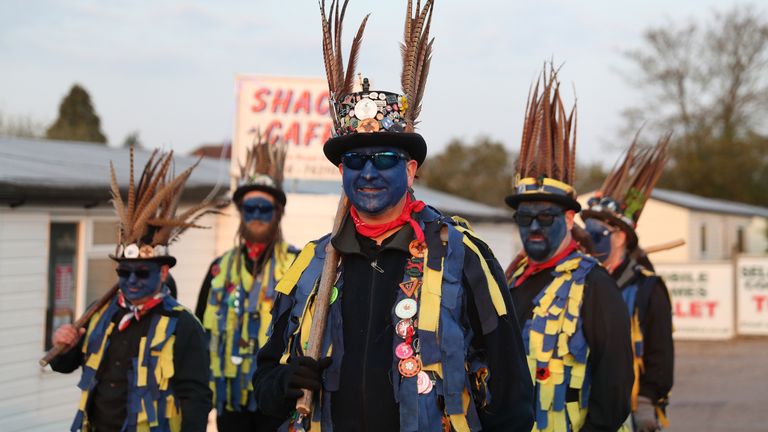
(246, 421)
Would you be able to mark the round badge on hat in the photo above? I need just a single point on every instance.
(366, 109)
(146, 251)
(406, 308)
(403, 351)
(409, 367)
(423, 383)
(236, 360)
(131, 251)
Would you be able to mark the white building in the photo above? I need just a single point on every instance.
(57, 228)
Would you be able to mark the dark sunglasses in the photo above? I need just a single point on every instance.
(262, 208)
(126, 273)
(545, 219)
(381, 160)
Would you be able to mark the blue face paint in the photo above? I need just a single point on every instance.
(257, 209)
(601, 238)
(372, 190)
(540, 240)
(138, 279)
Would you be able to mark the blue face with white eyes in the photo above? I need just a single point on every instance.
(372, 190)
(546, 231)
(601, 238)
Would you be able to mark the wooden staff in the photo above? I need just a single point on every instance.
(322, 301)
(60, 348)
(664, 246)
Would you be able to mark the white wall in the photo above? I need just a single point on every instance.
(31, 398)
(660, 223)
(502, 238)
(194, 252)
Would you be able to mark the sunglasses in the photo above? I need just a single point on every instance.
(545, 219)
(381, 160)
(125, 273)
(262, 208)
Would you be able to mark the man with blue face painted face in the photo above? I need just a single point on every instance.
(235, 301)
(575, 326)
(421, 334)
(143, 355)
(611, 219)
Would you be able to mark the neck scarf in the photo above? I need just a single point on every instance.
(137, 311)
(534, 268)
(255, 249)
(376, 230)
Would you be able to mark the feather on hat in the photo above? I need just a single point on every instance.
(263, 169)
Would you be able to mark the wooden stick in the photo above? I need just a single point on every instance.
(82, 321)
(322, 301)
(664, 246)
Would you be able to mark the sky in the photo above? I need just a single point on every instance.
(167, 68)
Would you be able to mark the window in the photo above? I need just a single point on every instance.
(62, 277)
(703, 239)
(740, 240)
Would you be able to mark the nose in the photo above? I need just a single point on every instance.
(535, 225)
(369, 171)
(132, 279)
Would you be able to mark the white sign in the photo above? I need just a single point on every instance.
(292, 109)
(752, 295)
(702, 299)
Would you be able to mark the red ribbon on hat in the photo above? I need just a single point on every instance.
(376, 230)
(534, 268)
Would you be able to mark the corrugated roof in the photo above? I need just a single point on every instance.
(695, 202)
(51, 172)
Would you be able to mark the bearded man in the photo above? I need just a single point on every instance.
(235, 301)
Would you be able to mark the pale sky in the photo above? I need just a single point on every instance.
(166, 68)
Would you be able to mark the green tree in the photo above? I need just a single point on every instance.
(20, 126)
(589, 177)
(77, 120)
(132, 139)
(706, 82)
(481, 171)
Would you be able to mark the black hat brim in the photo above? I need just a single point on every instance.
(412, 143)
(276, 193)
(613, 220)
(162, 260)
(564, 200)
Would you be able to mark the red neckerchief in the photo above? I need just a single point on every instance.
(534, 268)
(136, 311)
(376, 230)
(255, 249)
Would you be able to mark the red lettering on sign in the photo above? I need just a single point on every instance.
(260, 102)
(328, 131)
(292, 134)
(303, 104)
(322, 104)
(760, 302)
(281, 101)
(273, 130)
(695, 309)
(310, 134)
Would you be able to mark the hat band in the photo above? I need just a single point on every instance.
(530, 185)
(134, 251)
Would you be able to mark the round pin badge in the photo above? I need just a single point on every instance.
(423, 383)
(417, 248)
(366, 109)
(161, 250)
(368, 125)
(406, 308)
(236, 360)
(409, 367)
(146, 251)
(373, 95)
(131, 251)
(403, 351)
(382, 96)
(402, 326)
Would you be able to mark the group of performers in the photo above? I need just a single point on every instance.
(424, 329)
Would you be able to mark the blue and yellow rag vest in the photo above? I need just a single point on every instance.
(445, 342)
(152, 406)
(237, 317)
(556, 348)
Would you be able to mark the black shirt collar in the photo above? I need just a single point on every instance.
(349, 241)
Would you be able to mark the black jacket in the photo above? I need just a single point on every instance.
(606, 328)
(107, 410)
(655, 313)
(365, 400)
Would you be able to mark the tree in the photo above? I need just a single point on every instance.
(589, 177)
(706, 82)
(132, 139)
(20, 126)
(481, 171)
(77, 120)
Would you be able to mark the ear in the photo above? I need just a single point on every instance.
(341, 169)
(570, 216)
(410, 168)
(619, 239)
(164, 270)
